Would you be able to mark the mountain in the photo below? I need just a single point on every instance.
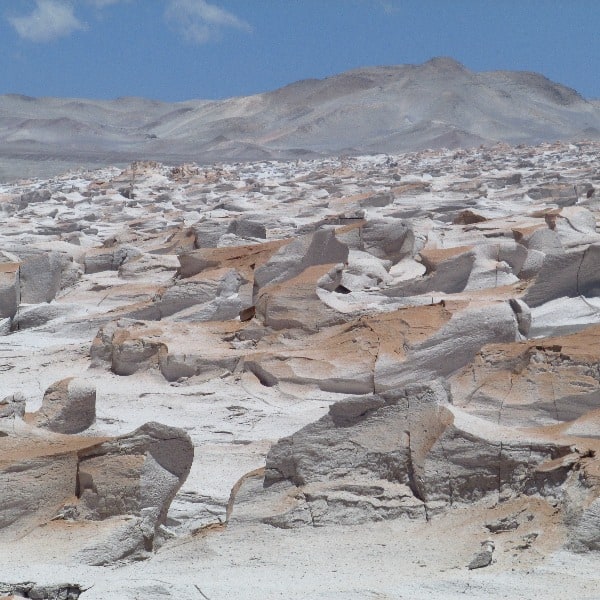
(369, 110)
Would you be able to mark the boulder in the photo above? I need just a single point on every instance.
(46, 476)
(574, 273)
(40, 274)
(243, 258)
(295, 303)
(405, 452)
(388, 239)
(447, 270)
(209, 232)
(246, 228)
(10, 289)
(109, 259)
(12, 406)
(322, 248)
(534, 382)
(34, 197)
(60, 591)
(39, 314)
(137, 474)
(212, 289)
(127, 349)
(36, 479)
(69, 406)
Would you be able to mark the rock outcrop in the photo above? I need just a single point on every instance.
(408, 452)
(45, 477)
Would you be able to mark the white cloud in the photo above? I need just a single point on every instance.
(197, 21)
(200, 22)
(49, 20)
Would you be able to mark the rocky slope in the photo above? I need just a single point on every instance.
(439, 104)
(248, 380)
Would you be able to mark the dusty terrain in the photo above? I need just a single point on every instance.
(333, 378)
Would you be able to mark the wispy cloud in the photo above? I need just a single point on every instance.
(103, 3)
(196, 21)
(389, 6)
(49, 20)
(200, 22)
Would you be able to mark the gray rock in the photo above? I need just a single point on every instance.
(389, 239)
(34, 197)
(408, 450)
(126, 541)
(40, 275)
(321, 248)
(135, 474)
(585, 529)
(208, 233)
(109, 259)
(245, 228)
(571, 274)
(62, 591)
(69, 406)
(12, 406)
(484, 557)
(40, 314)
(10, 289)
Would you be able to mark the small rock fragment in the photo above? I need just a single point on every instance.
(483, 558)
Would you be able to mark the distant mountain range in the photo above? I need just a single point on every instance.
(369, 110)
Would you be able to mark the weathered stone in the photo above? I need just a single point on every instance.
(413, 437)
(12, 406)
(137, 474)
(69, 406)
(10, 289)
(109, 259)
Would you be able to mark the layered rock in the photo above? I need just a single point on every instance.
(408, 452)
(85, 478)
(69, 406)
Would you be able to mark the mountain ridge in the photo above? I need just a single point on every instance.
(387, 109)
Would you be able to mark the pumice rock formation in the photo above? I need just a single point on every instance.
(69, 406)
(279, 372)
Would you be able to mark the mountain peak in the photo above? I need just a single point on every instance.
(439, 103)
(444, 63)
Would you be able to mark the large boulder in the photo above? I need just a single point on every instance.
(126, 349)
(213, 295)
(69, 406)
(41, 274)
(322, 248)
(573, 273)
(38, 475)
(406, 452)
(388, 239)
(136, 474)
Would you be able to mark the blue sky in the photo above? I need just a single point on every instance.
(182, 49)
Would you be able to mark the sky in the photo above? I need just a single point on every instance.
(176, 50)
